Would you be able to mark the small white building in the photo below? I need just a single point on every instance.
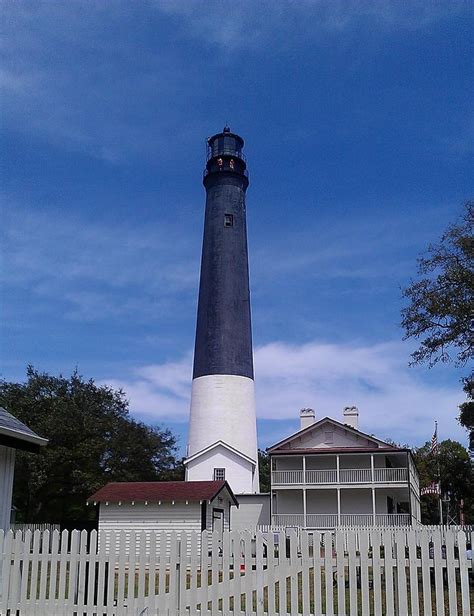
(220, 461)
(331, 474)
(14, 435)
(165, 506)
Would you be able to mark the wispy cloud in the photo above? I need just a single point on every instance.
(109, 80)
(98, 270)
(394, 401)
(251, 25)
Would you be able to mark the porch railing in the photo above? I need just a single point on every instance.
(330, 520)
(346, 475)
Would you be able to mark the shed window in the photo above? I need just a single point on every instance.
(219, 474)
(228, 220)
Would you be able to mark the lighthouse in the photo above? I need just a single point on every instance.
(222, 442)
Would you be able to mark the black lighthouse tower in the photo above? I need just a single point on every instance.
(223, 401)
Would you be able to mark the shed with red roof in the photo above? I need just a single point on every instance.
(164, 506)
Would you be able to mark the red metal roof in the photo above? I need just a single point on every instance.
(165, 491)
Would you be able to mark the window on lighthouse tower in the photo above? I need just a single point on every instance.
(228, 220)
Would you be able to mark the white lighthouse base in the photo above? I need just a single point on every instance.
(223, 431)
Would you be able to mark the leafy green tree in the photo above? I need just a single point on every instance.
(92, 440)
(440, 309)
(264, 470)
(456, 479)
(466, 415)
(440, 312)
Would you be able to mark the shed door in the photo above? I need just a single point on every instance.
(218, 520)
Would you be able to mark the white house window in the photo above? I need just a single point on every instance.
(228, 220)
(219, 474)
(329, 438)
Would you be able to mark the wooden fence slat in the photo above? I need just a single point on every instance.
(142, 570)
(282, 560)
(5, 554)
(259, 576)
(305, 574)
(80, 600)
(54, 571)
(271, 572)
(451, 573)
(402, 597)
(388, 573)
(204, 580)
(376, 572)
(413, 573)
(438, 571)
(293, 570)
(424, 540)
(364, 571)
(111, 547)
(226, 571)
(44, 574)
(194, 569)
(121, 574)
(18, 552)
(340, 571)
(328, 574)
(352, 566)
(34, 567)
(214, 572)
(463, 573)
(63, 565)
(151, 603)
(317, 591)
(182, 569)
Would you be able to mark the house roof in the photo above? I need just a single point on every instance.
(318, 424)
(14, 433)
(219, 444)
(161, 491)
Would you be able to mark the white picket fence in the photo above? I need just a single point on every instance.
(369, 572)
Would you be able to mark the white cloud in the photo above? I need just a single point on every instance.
(394, 401)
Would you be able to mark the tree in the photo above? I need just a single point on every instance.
(440, 312)
(264, 470)
(92, 440)
(466, 415)
(455, 476)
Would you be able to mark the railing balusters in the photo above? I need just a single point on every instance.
(346, 475)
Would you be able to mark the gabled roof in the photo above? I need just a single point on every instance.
(14, 433)
(219, 444)
(160, 491)
(318, 424)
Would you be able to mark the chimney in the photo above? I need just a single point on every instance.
(351, 416)
(307, 418)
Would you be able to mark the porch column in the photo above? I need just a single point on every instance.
(304, 508)
(337, 468)
(372, 467)
(304, 469)
(373, 506)
(338, 506)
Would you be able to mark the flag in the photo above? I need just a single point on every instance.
(434, 441)
(433, 488)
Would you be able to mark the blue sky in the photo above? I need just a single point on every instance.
(357, 118)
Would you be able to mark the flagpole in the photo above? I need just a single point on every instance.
(440, 501)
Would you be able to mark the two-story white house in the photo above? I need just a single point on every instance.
(330, 474)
